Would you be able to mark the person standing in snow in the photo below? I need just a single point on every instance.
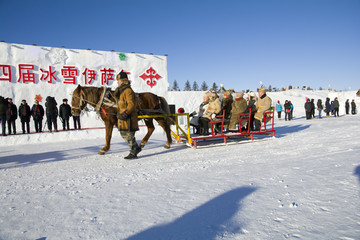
(287, 109)
(332, 108)
(51, 113)
(65, 114)
(127, 115)
(37, 112)
(24, 114)
(279, 109)
(347, 106)
(263, 104)
(291, 110)
(312, 108)
(327, 107)
(308, 109)
(76, 120)
(3, 108)
(11, 116)
(353, 107)
(320, 107)
(336, 107)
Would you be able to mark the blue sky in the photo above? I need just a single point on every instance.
(237, 43)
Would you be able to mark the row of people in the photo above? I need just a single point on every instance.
(9, 113)
(212, 105)
(329, 108)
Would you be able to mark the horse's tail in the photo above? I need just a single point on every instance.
(165, 108)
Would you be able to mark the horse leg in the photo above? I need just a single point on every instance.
(108, 134)
(150, 126)
(167, 130)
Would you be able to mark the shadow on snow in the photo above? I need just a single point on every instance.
(210, 220)
(357, 172)
(285, 130)
(24, 160)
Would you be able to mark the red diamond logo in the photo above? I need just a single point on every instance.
(150, 76)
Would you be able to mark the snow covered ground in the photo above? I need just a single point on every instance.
(303, 184)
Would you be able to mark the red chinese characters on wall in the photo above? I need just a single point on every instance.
(5, 73)
(107, 75)
(69, 73)
(89, 76)
(47, 75)
(150, 76)
(26, 73)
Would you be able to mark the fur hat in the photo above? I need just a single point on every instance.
(262, 89)
(122, 76)
(65, 100)
(239, 94)
(252, 94)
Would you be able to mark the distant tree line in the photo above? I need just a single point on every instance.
(204, 87)
(193, 87)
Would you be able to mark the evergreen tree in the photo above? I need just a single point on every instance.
(204, 86)
(215, 87)
(195, 86)
(187, 86)
(175, 86)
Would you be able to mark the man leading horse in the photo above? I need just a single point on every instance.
(127, 115)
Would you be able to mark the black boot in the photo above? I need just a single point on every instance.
(138, 149)
(130, 156)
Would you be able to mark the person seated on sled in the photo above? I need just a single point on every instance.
(263, 104)
(238, 106)
(226, 105)
(199, 112)
(213, 108)
(251, 103)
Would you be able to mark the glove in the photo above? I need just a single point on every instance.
(122, 116)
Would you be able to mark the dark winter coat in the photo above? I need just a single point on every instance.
(11, 114)
(312, 105)
(127, 103)
(226, 105)
(319, 105)
(50, 105)
(24, 112)
(327, 105)
(287, 106)
(308, 106)
(353, 105)
(65, 111)
(252, 105)
(336, 103)
(347, 104)
(37, 112)
(3, 106)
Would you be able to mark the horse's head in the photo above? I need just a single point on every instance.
(77, 101)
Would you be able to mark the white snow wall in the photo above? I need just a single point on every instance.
(25, 71)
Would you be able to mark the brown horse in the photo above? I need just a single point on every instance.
(146, 102)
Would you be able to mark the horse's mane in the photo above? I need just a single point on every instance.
(92, 94)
